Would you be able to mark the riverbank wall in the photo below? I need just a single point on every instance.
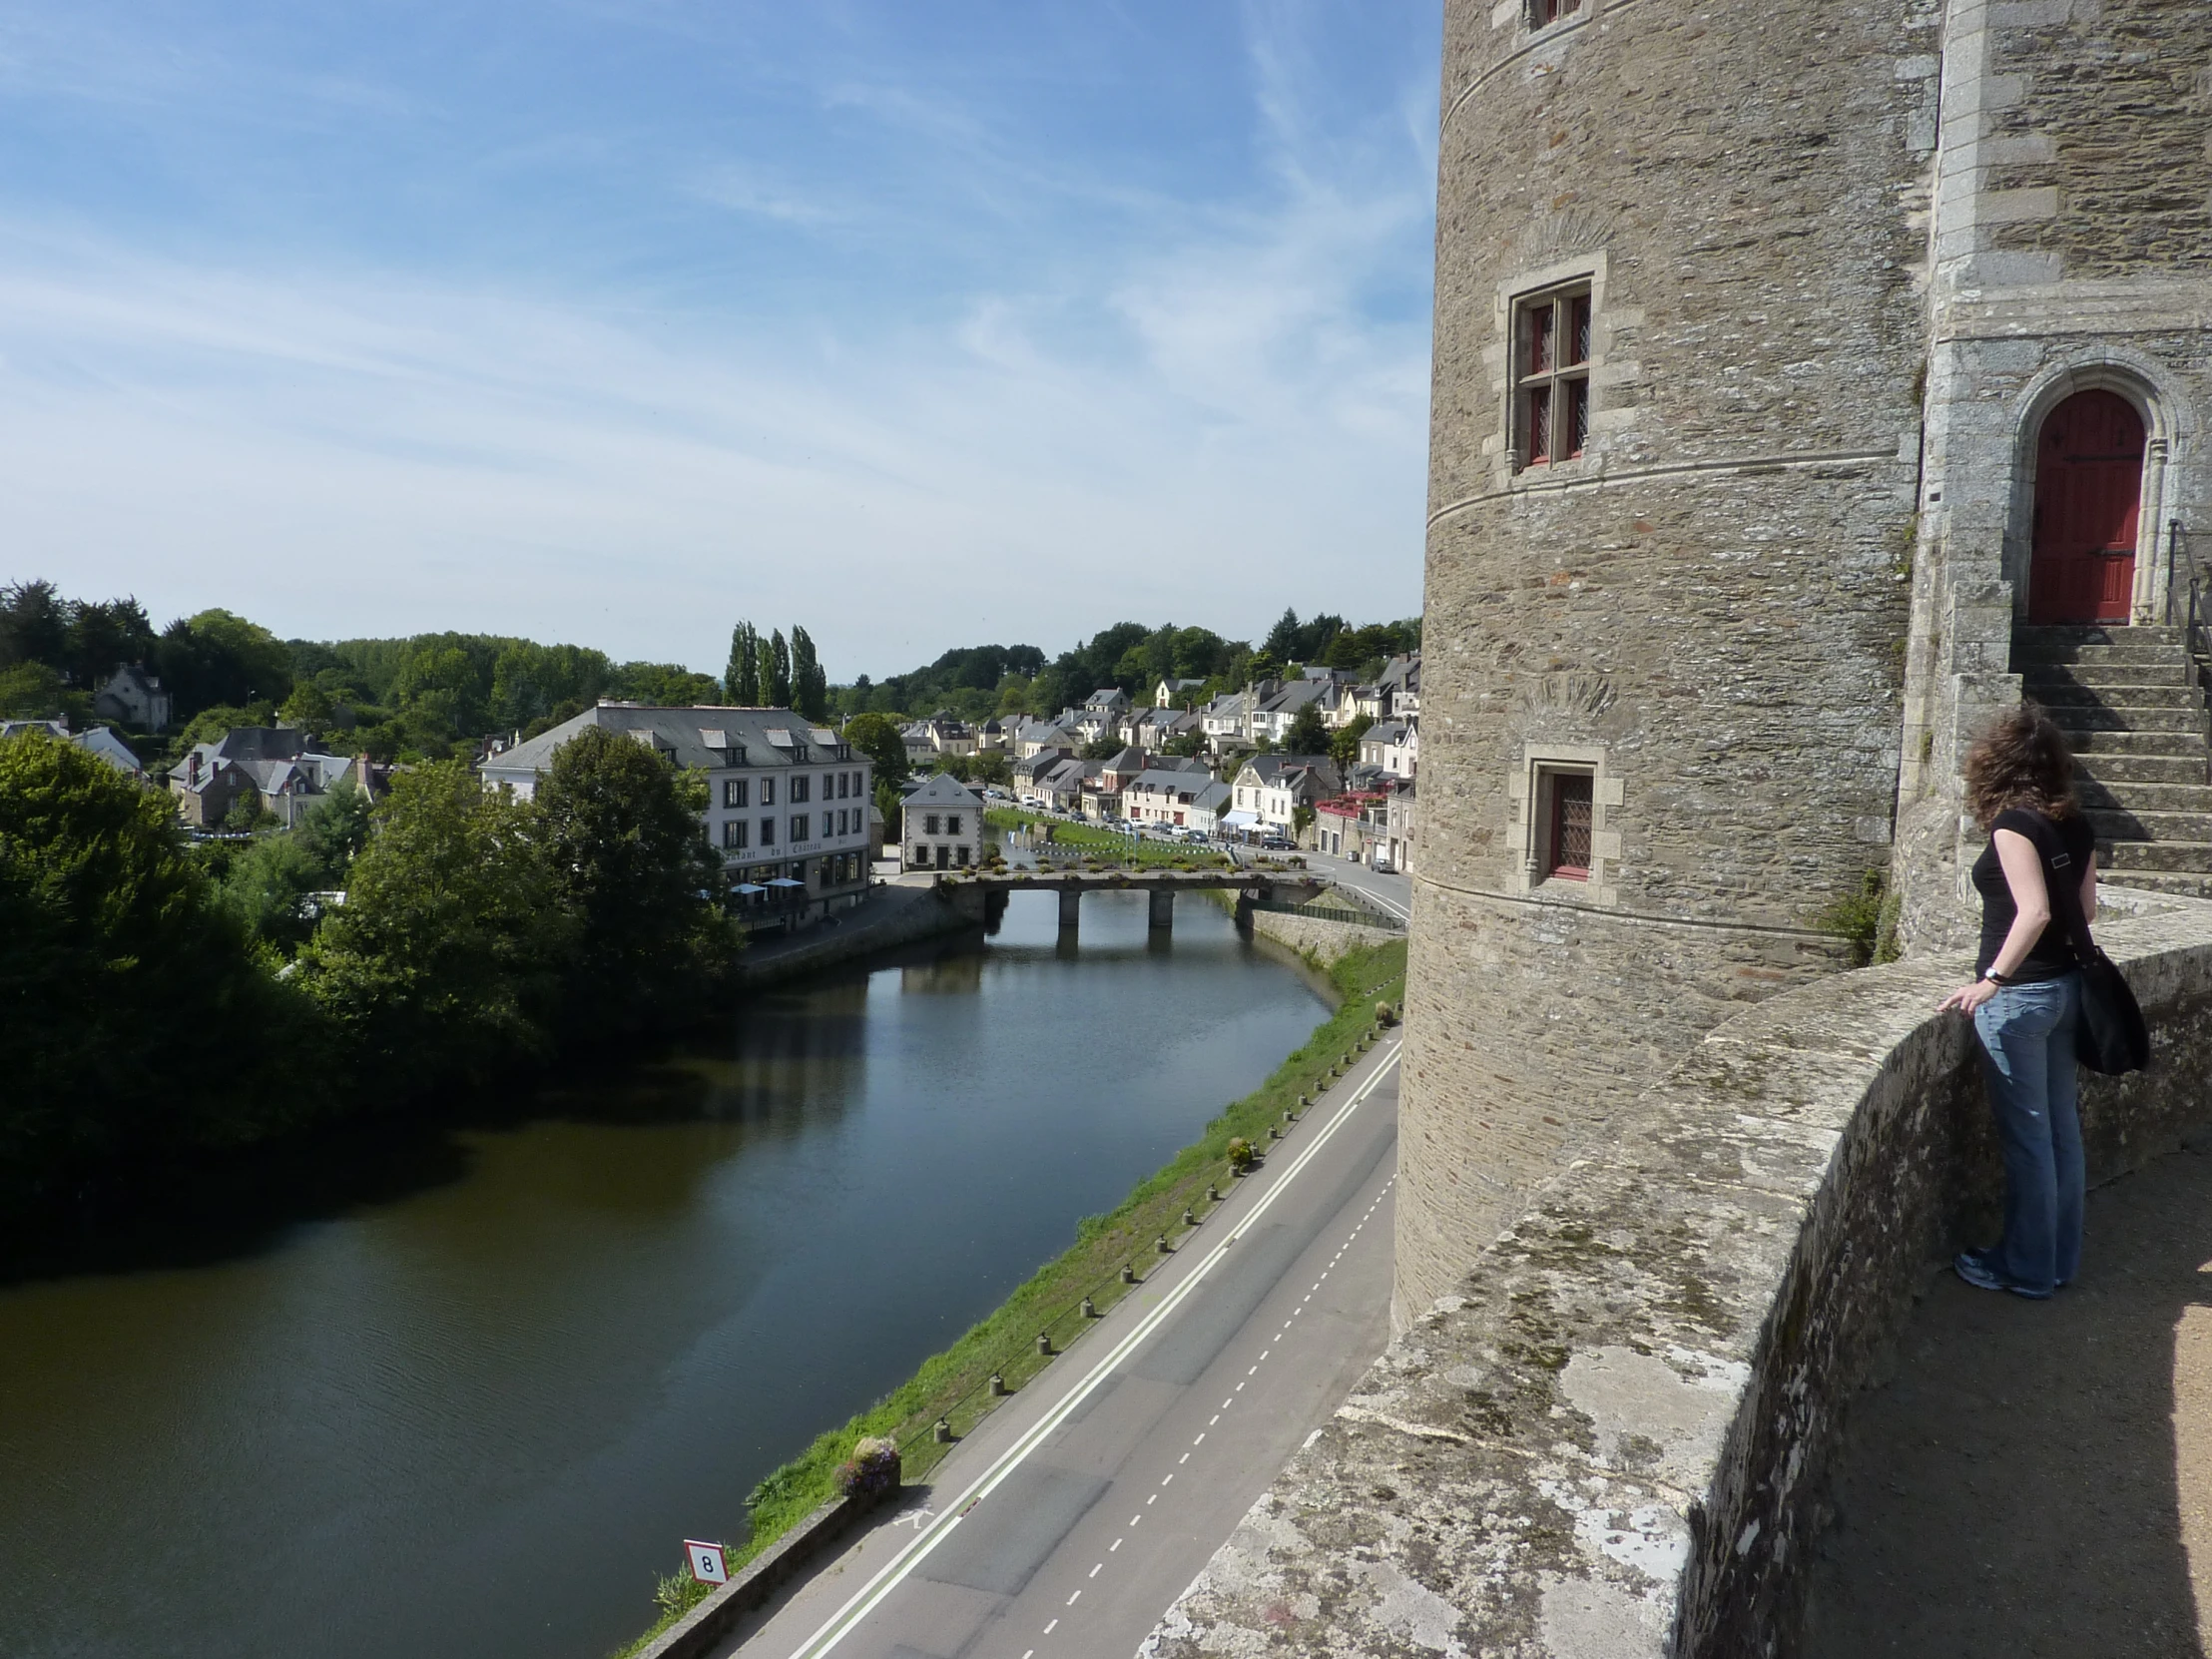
(1612, 1437)
(1318, 940)
(887, 917)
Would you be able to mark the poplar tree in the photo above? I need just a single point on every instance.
(741, 678)
(776, 671)
(810, 686)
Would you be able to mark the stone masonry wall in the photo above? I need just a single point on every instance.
(2070, 248)
(1607, 1440)
(1707, 609)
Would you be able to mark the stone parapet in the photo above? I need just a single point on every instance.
(1609, 1439)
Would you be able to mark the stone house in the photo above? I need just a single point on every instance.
(274, 762)
(1175, 694)
(942, 826)
(1392, 747)
(1399, 818)
(787, 806)
(1269, 789)
(136, 698)
(1175, 799)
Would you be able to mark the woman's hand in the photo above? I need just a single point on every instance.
(1967, 999)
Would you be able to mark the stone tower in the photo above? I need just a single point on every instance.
(1674, 455)
(1752, 324)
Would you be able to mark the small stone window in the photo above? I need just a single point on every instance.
(1552, 375)
(930, 824)
(952, 824)
(1542, 12)
(1567, 827)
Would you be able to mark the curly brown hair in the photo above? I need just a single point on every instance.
(2020, 760)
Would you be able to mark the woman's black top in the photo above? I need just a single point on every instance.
(2054, 953)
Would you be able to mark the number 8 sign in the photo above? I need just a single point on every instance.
(708, 1562)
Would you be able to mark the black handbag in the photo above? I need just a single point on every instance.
(2109, 1035)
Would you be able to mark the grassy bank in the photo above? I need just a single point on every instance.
(954, 1386)
(1095, 840)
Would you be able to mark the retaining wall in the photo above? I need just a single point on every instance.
(889, 916)
(1610, 1440)
(1318, 938)
(703, 1630)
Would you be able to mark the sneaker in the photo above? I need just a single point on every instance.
(1975, 1269)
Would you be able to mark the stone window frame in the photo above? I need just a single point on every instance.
(2165, 443)
(1540, 15)
(1510, 301)
(1529, 796)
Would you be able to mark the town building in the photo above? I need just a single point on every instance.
(1392, 747)
(94, 739)
(271, 762)
(787, 806)
(136, 698)
(942, 826)
(1269, 789)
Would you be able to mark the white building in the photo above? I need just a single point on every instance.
(942, 826)
(788, 801)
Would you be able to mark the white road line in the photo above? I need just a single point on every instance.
(1048, 1628)
(863, 1601)
(1201, 1440)
(1116, 1544)
(1095, 1572)
(1071, 1599)
(1186, 1457)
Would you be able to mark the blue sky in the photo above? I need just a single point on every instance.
(921, 324)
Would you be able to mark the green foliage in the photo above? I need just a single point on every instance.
(741, 678)
(620, 829)
(309, 708)
(1104, 747)
(876, 737)
(80, 641)
(1865, 920)
(1343, 743)
(1307, 735)
(445, 963)
(119, 977)
(266, 889)
(31, 690)
(810, 689)
(992, 766)
(218, 658)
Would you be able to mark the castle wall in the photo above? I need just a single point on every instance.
(2071, 250)
(1707, 610)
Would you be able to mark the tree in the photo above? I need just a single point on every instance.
(1282, 641)
(809, 688)
(776, 671)
(1306, 736)
(216, 658)
(34, 625)
(741, 680)
(112, 964)
(308, 708)
(1343, 746)
(877, 737)
(446, 963)
(992, 766)
(620, 828)
(103, 637)
(266, 889)
(1104, 747)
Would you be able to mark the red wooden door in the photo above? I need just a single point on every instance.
(2088, 491)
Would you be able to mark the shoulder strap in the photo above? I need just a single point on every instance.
(2064, 883)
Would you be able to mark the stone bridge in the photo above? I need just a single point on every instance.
(982, 894)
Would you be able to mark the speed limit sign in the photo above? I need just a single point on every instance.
(709, 1563)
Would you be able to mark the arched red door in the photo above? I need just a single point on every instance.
(2088, 493)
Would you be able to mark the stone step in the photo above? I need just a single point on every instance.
(2169, 671)
(2183, 728)
(2186, 857)
(2096, 744)
(2130, 825)
(2055, 695)
(2194, 883)
(2102, 795)
(2048, 643)
(2097, 657)
(2129, 772)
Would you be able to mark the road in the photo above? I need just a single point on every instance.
(1064, 1526)
(1394, 893)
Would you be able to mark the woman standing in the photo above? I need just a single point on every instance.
(2020, 788)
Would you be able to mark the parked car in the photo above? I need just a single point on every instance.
(1279, 844)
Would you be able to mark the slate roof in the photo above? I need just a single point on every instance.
(943, 789)
(764, 736)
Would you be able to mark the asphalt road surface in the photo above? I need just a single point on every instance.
(1067, 1522)
(1394, 893)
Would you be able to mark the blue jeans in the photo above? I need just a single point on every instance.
(2027, 1059)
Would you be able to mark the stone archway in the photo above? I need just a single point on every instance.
(2089, 506)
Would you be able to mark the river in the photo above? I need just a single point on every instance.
(465, 1402)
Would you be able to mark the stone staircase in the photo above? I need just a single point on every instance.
(2135, 713)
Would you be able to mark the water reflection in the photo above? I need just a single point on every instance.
(472, 1413)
